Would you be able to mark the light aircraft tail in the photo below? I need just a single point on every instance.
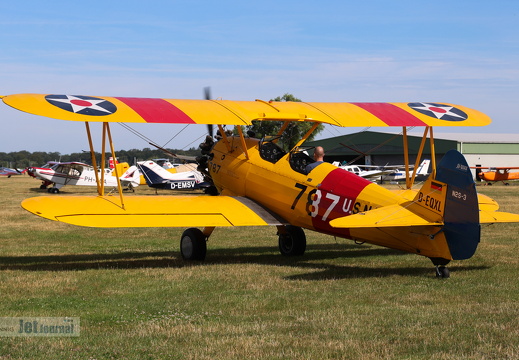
(451, 198)
(423, 169)
(153, 173)
(158, 177)
(131, 176)
(448, 201)
(112, 163)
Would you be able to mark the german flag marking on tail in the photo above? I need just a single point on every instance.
(436, 186)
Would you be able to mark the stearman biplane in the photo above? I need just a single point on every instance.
(259, 183)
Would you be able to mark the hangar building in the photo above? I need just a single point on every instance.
(378, 148)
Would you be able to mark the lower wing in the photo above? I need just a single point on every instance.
(148, 211)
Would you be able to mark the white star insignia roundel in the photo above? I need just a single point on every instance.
(85, 105)
(439, 111)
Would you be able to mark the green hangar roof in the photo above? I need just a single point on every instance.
(377, 143)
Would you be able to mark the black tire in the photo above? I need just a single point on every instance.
(193, 245)
(293, 242)
(442, 272)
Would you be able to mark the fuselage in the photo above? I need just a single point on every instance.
(500, 175)
(312, 200)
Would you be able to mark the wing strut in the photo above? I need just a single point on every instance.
(433, 154)
(224, 137)
(308, 133)
(119, 187)
(100, 182)
(409, 181)
(93, 157)
(242, 140)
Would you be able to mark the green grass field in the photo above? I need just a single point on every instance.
(137, 299)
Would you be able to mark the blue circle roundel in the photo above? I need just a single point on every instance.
(84, 105)
(439, 111)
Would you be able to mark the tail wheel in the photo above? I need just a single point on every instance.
(193, 244)
(292, 242)
(442, 272)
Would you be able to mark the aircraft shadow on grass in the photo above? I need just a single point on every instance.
(314, 260)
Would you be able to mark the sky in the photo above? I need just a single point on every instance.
(463, 52)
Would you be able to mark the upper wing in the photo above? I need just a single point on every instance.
(152, 211)
(121, 109)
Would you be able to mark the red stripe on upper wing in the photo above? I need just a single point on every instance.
(390, 114)
(157, 110)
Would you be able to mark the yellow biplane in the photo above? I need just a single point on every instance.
(258, 183)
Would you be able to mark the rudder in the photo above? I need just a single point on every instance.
(461, 212)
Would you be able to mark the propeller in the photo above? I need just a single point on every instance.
(206, 147)
(207, 96)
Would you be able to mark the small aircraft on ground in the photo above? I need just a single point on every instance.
(260, 184)
(160, 178)
(370, 172)
(494, 174)
(4, 171)
(400, 175)
(60, 174)
(384, 173)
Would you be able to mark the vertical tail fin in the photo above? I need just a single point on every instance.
(452, 196)
(423, 169)
(150, 170)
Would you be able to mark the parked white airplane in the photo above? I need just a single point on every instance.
(158, 177)
(76, 173)
(362, 170)
(399, 175)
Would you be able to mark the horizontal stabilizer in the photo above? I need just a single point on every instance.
(387, 216)
(152, 211)
(491, 217)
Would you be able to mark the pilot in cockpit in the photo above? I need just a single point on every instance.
(318, 157)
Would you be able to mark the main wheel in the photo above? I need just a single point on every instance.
(193, 244)
(292, 242)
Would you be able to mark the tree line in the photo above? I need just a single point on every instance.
(23, 159)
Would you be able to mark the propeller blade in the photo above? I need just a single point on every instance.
(207, 96)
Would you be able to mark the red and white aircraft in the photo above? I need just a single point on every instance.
(10, 172)
(76, 173)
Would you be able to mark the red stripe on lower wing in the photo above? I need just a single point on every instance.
(390, 114)
(157, 110)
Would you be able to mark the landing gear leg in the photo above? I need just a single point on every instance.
(441, 271)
